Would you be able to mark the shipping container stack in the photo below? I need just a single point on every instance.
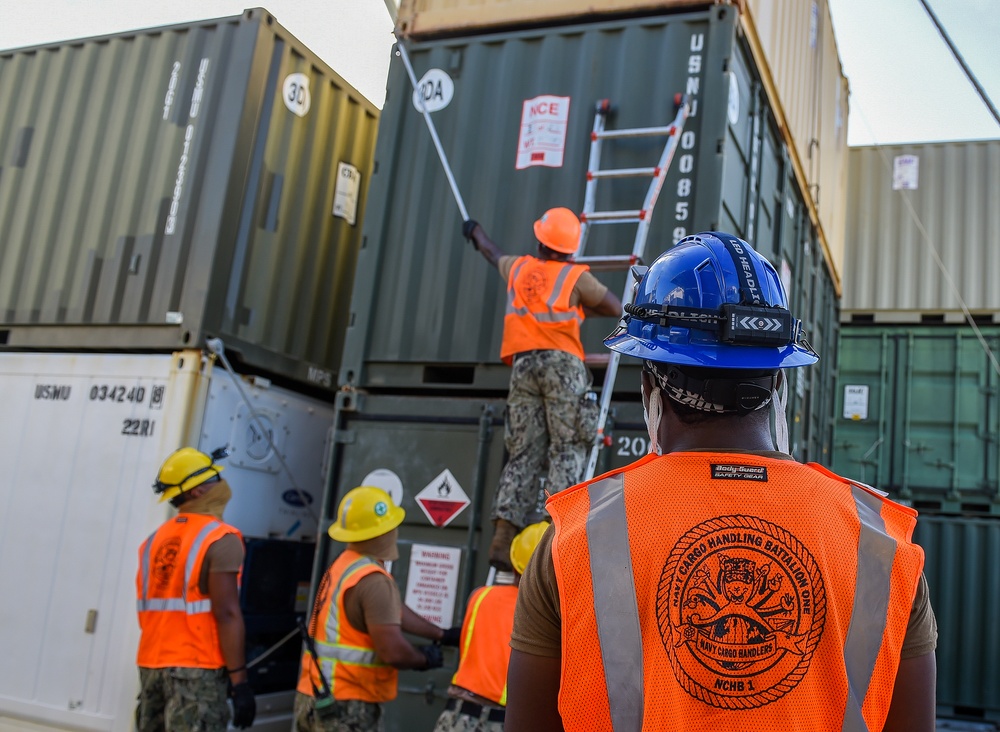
(423, 389)
(917, 406)
(159, 190)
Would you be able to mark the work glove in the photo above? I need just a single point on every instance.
(432, 653)
(244, 706)
(468, 227)
(452, 636)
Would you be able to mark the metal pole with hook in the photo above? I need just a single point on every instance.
(401, 50)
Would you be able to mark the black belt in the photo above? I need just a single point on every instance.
(471, 709)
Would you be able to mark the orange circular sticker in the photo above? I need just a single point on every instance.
(741, 607)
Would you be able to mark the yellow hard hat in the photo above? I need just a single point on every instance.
(559, 229)
(524, 545)
(185, 469)
(364, 513)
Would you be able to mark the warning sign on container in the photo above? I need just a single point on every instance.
(432, 582)
(856, 401)
(442, 499)
(543, 132)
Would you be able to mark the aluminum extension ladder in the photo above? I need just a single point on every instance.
(642, 217)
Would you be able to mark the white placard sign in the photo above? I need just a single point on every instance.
(905, 172)
(437, 89)
(345, 195)
(856, 401)
(432, 582)
(543, 132)
(295, 94)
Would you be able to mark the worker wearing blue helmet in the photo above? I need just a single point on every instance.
(717, 583)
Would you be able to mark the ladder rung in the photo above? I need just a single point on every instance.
(634, 132)
(598, 216)
(609, 262)
(597, 359)
(623, 173)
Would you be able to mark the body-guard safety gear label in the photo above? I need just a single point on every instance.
(741, 607)
(739, 472)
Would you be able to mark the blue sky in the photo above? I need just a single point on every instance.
(905, 86)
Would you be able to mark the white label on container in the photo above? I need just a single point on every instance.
(345, 196)
(905, 172)
(856, 401)
(386, 480)
(437, 89)
(295, 93)
(432, 581)
(542, 140)
(734, 99)
(786, 276)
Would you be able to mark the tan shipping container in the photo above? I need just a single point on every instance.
(792, 41)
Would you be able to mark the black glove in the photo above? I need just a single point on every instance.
(468, 227)
(432, 653)
(452, 636)
(244, 706)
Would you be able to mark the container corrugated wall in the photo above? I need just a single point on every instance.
(918, 415)
(949, 190)
(161, 187)
(801, 52)
(792, 41)
(963, 575)
(427, 311)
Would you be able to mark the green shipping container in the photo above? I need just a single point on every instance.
(427, 311)
(918, 415)
(165, 186)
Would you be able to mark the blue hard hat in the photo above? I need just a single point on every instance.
(712, 301)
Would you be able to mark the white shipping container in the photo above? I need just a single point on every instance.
(81, 439)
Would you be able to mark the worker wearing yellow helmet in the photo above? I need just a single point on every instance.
(478, 689)
(356, 643)
(191, 648)
(550, 422)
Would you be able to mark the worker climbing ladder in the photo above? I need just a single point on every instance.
(642, 217)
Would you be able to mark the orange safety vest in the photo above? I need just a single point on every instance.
(178, 627)
(538, 314)
(346, 655)
(484, 653)
(719, 591)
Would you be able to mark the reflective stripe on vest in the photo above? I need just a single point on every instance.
(332, 653)
(617, 614)
(175, 604)
(542, 317)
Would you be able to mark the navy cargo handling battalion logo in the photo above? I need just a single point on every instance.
(741, 608)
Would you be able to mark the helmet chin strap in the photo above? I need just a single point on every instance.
(652, 416)
(779, 397)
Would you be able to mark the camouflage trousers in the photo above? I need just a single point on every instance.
(182, 700)
(451, 720)
(549, 428)
(350, 715)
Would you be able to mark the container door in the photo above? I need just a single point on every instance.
(81, 440)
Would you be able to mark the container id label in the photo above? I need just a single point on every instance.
(345, 196)
(542, 140)
(856, 401)
(432, 582)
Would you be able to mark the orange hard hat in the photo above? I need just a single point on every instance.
(559, 230)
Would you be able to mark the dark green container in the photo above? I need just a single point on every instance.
(427, 310)
(929, 435)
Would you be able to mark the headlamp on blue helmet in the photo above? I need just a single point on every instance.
(712, 301)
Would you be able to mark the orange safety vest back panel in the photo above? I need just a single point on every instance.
(681, 613)
(178, 627)
(346, 655)
(538, 314)
(484, 653)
